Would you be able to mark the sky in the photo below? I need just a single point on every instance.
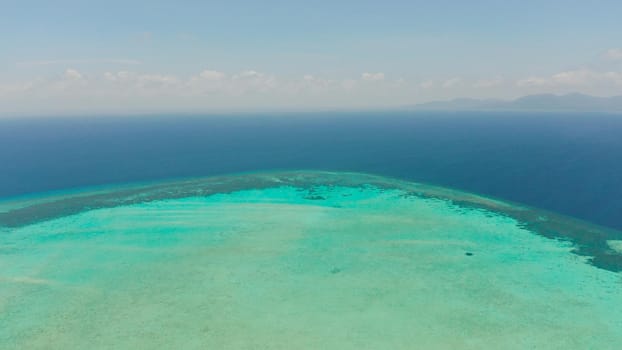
(98, 57)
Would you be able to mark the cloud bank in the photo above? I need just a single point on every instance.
(78, 90)
(130, 91)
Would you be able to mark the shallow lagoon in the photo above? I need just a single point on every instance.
(300, 260)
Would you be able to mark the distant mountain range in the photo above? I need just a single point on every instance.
(544, 102)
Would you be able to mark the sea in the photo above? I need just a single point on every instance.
(370, 230)
(568, 163)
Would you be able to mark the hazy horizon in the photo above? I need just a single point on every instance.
(160, 57)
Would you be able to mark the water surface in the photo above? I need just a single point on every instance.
(567, 163)
(301, 260)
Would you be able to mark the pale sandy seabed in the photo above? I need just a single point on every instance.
(302, 260)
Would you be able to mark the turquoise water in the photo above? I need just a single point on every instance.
(309, 260)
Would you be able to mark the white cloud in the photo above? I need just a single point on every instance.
(373, 76)
(488, 83)
(575, 77)
(212, 75)
(428, 84)
(158, 79)
(212, 89)
(310, 81)
(248, 74)
(127, 91)
(134, 80)
(580, 78)
(72, 74)
(15, 88)
(531, 82)
(451, 83)
(115, 76)
(613, 55)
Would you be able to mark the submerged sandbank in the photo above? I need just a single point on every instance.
(301, 260)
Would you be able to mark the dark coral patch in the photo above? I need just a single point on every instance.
(315, 198)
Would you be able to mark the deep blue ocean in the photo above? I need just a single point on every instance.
(568, 163)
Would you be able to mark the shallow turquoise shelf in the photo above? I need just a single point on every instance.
(299, 260)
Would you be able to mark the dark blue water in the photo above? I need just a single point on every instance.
(567, 163)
